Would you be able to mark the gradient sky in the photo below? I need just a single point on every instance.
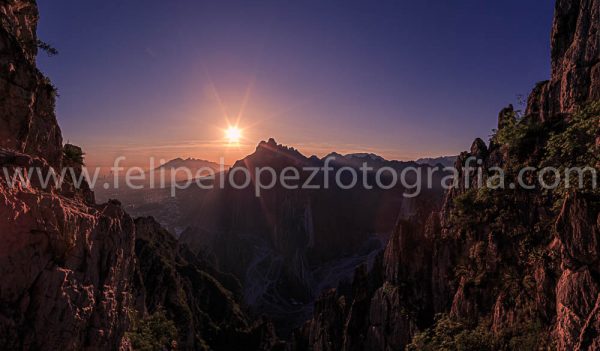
(404, 79)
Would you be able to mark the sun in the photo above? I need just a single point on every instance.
(233, 135)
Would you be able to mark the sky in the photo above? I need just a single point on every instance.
(403, 79)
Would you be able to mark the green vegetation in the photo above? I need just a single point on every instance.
(522, 136)
(575, 146)
(556, 143)
(513, 129)
(47, 48)
(499, 211)
(389, 289)
(450, 335)
(468, 208)
(520, 222)
(569, 147)
(153, 333)
(51, 88)
(74, 154)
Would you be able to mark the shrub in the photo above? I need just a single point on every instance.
(73, 154)
(576, 147)
(153, 333)
(522, 136)
(450, 335)
(466, 210)
(47, 48)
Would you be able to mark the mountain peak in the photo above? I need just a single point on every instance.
(575, 64)
(269, 151)
(365, 155)
(190, 162)
(271, 145)
(271, 142)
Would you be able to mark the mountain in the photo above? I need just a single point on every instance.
(201, 302)
(192, 164)
(84, 276)
(153, 201)
(363, 156)
(444, 161)
(287, 246)
(510, 269)
(472, 268)
(370, 160)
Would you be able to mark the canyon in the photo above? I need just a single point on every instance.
(465, 269)
(494, 270)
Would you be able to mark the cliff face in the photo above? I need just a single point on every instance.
(575, 60)
(287, 245)
(510, 269)
(82, 276)
(27, 120)
(66, 269)
(66, 263)
(384, 307)
(196, 297)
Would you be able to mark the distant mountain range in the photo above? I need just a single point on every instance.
(354, 159)
(463, 269)
(287, 246)
(190, 163)
(375, 160)
(446, 161)
(363, 156)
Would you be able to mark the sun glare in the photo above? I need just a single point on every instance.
(233, 135)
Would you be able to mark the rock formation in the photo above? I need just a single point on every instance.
(66, 263)
(27, 122)
(509, 269)
(196, 297)
(575, 61)
(77, 275)
(288, 244)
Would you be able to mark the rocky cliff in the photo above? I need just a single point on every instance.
(82, 276)
(575, 61)
(28, 123)
(200, 301)
(66, 262)
(496, 269)
(287, 245)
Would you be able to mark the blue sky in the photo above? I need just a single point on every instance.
(404, 79)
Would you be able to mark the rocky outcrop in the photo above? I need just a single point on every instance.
(66, 263)
(391, 324)
(578, 232)
(505, 270)
(578, 289)
(575, 60)
(76, 275)
(287, 245)
(576, 295)
(324, 331)
(207, 315)
(386, 305)
(66, 269)
(27, 120)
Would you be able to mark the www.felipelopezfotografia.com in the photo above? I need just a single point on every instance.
(411, 178)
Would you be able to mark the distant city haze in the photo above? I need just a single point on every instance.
(401, 79)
